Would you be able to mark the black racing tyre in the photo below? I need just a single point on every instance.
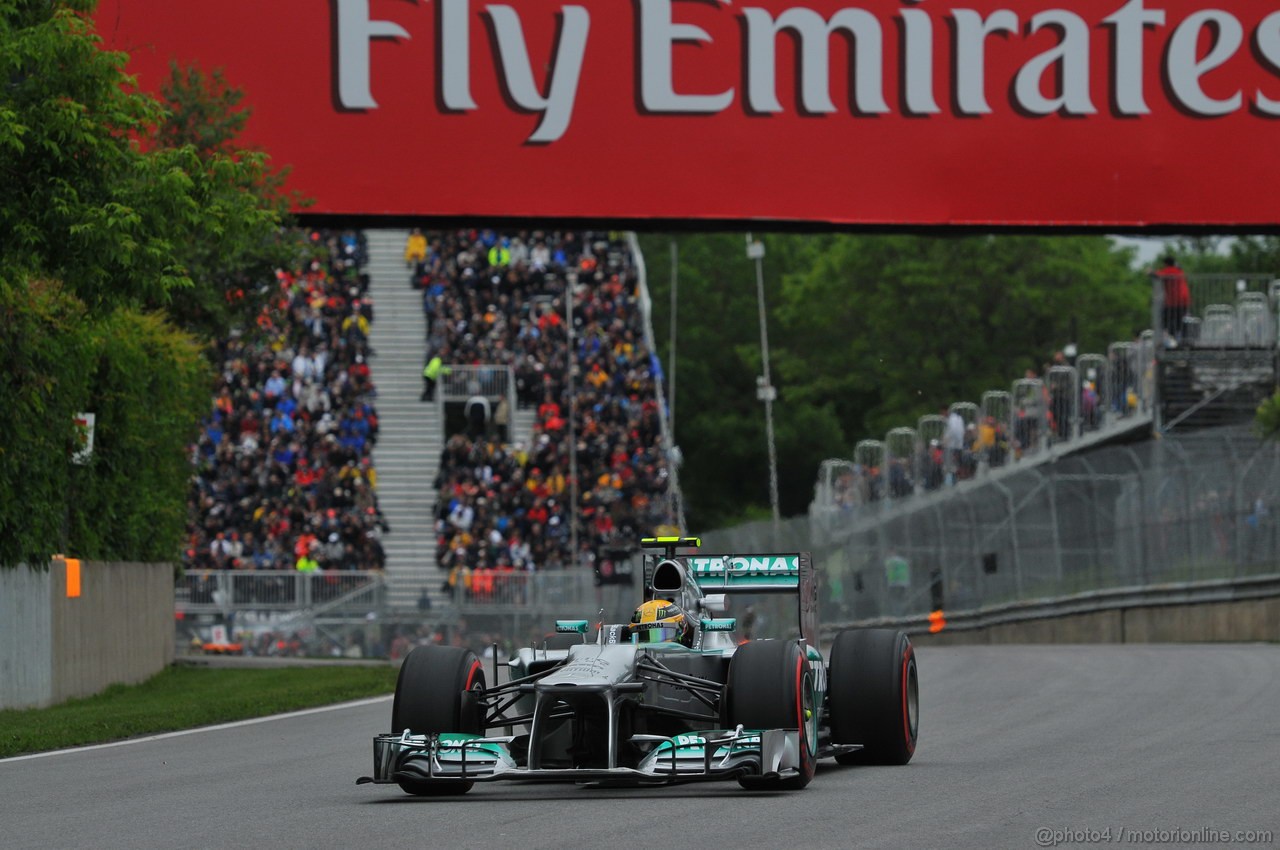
(873, 696)
(429, 699)
(770, 686)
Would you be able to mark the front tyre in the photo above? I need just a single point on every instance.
(437, 692)
(771, 686)
(873, 695)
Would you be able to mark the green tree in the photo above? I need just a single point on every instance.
(245, 201)
(1245, 255)
(204, 111)
(890, 328)
(45, 362)
(866, 333)
(108, 217)
(1268, 419)
(92, 194)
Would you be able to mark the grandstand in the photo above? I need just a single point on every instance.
(283, 474)
(500, 324)
(343, 488)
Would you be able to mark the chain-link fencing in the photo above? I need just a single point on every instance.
(1190, 507)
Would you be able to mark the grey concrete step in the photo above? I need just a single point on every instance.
(411, 436)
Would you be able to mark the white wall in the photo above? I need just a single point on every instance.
(26, 645)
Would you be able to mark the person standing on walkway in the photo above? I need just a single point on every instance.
(1177, 296)
(431, 374)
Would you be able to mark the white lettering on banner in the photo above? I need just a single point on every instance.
(355, 31)
(455, 55)
(815, 66)
(918, 66)
(971, 56)
(1268, 41)
(1072, 58)
(1185, 70)
(1066, 66)
(1129, 23)
(657, 89)
(562, 79)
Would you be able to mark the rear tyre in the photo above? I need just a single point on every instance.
(873, 694)
(770, 686)
(436, 692)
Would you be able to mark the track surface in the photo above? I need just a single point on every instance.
(1012, 739)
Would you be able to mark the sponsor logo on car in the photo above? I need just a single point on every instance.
(747, 569)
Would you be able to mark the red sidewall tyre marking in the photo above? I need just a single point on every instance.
(471, 675)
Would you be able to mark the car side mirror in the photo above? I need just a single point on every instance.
(715, 603)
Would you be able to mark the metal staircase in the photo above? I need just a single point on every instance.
(1205, 388)
(411, 437)
(522, 421)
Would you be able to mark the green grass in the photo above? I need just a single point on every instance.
(183, 698)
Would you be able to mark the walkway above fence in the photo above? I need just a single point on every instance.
(1072, 406)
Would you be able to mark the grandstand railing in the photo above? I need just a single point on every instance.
(493, 381)
(496, 591)
(228, 591)
(1227, 310)
(1098, 396)
(674, 495)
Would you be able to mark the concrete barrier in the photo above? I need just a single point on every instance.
(1245, 620)
(26, 648)
(55, 646)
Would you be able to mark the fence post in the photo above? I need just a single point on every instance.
(1053, 519)
(1013, 538)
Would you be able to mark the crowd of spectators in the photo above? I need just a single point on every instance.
(283, 473)
(504, 505)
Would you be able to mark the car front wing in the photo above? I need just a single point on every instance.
(688, 757)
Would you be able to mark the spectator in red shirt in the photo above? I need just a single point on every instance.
(1177, 296)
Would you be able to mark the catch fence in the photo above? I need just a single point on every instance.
(1189, 507)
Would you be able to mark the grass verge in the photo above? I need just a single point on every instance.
(184, 698)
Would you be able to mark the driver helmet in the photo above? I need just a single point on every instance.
(660, 621)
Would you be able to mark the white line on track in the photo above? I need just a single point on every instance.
(236, 724)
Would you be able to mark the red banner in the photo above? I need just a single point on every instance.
(910, 112)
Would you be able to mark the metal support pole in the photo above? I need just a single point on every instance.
(765, 391)
(571, 285)
(671, 365)
(1053, 523)
(1159, 330)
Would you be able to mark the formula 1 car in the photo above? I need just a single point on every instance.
(624, 709)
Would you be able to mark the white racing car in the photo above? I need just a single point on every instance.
(672, 696)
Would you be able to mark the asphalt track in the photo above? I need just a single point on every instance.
(1013, 739)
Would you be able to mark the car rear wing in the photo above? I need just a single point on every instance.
(786, 572)
(731, 573)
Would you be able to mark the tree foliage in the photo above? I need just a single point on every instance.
(149, 384)
(119, 215)
(244, 200)
(865, 333)
(103, 188)
(1268, 420)
(204, 111)
(45, 362)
